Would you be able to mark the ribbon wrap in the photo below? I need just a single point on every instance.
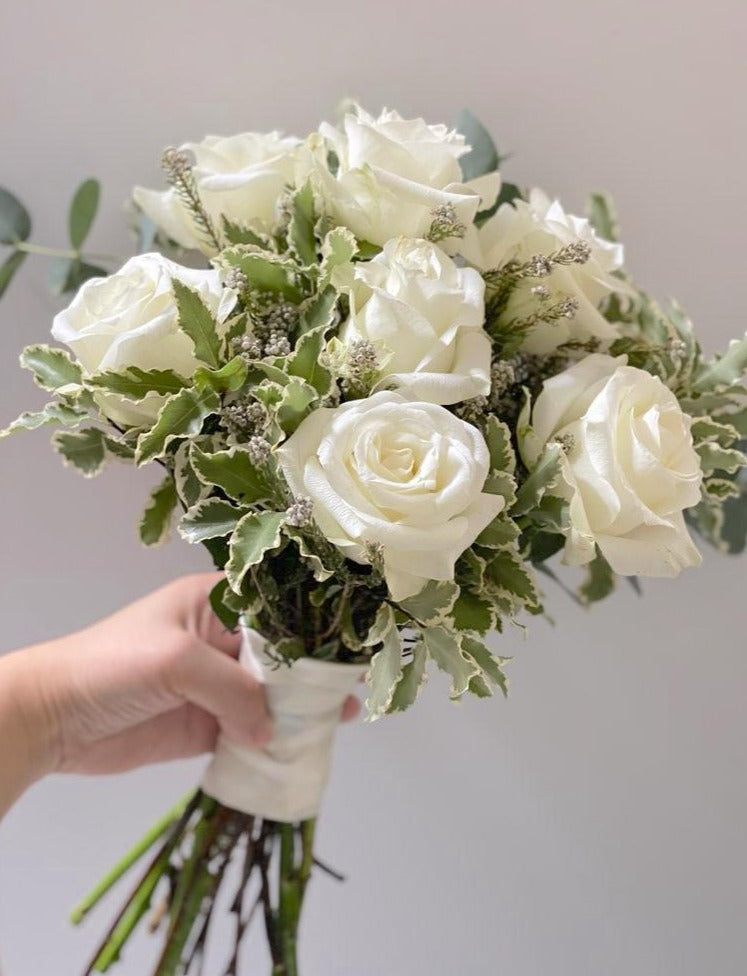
(285, 779)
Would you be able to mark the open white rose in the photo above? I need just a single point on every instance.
(403, 475)
(392, 173)
(519, 231)
(241, 177)
(131, 319)
(630, 465)
(423, 315)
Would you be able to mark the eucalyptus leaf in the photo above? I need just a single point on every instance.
(68, 274)
(15, 222)
(83, 210)
(483, 156)
(9, 267)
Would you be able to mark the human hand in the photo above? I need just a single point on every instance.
(157, 680)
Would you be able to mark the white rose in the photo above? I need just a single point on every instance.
(424, 316)
(131, 319)
(392, 173)
(519, 231)
(240, 177)
(630, 465)
(403, 475)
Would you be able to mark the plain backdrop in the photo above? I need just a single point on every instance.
(594, 823)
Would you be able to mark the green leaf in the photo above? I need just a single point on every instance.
(734, 527)
(181, 415)
(228, 379)
(600, 581)
(52, 413)
(386, 664)
(295, 404)
(68, 274)
(444, 647)
(304, 361)
(483, 156)
(318, 561)
(156, 520)
(713, 457)
(233, 472)
(511, 576)
(472, 612)
(602, 216)
(188, 486)
(15, 222)
(210, 518)
(135, 384)
(320, 311)
(433, 603)
(725, 370)
(256, 534)
(705, 428)
(198, 322)
(414, 675)
(236, 233)
(228, 617)
(301, 228)
(542, 479)
(264, 270)
(339, 248)
(53, 369)
(84, 450)
(83, 209)
(502, 531)
(490, 665)
(498, 439)
(9, 267)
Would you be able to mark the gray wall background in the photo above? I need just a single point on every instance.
(595, 822)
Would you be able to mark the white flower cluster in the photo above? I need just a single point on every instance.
(398, 472)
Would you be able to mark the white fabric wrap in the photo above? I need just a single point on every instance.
(285, 779)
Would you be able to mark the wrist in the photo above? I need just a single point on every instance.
(29, 728)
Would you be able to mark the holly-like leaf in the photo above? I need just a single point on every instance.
(483, 156)
(320, 312)
(386, 664)
(52, 413)
(9, 267)
(542, 479)
(15, 222)
(84, 450)
(53, 369)
(713, 457)
(264, 270)
(414, 675)
(198, 322)
(600, 581)
(510, 575)
(472, 612)
(498, 439)
(724, 370)
(296, 402)
(156, 521)
(236, 233)
(339, 248)
(232, 471)
(83, 210)
(135, 384)
(301, 228)
(444, 648)
(256, 534)
(181, 415)
(228, 379)
(305, 363)
(502, 531)
(490, 665)
(433, 603)
(210, 518)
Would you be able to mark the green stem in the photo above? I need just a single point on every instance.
(132, 857)
(56, 252)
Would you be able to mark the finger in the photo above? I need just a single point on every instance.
(196, 614)
(350, 709)
(183, 732)
(212, 680)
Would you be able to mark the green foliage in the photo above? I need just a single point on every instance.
(53, 369)
(209, 518)
(156, 521)
(9, 267)
(233, 472)
(724, 370)
(228, 379)
(265, 271)
(508, 575)
(338, 248)
(228, 617)
(319, 312)
(256, 534)
(413, 677)
(295, 403)
(602, 216)
(600, 580)
(545, 476)
(135, 384)
(433, 603)
(386, 663)
(483, 156)
(66, 275)
(301, 230)
(15, 222)
(444, 647)
(305, 361)
(473, 612)
(85, 204)
(84, 450)
(198, 322)
(491, 667)
(183, 414)
(52, 413)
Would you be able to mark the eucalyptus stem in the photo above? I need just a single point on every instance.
(57, 252)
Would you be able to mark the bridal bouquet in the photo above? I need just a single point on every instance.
(384, 389)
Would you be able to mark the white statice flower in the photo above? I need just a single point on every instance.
(424, 316)
(391, 176)
(521, 230)
(131, 319)
(402, 477)
(630, 466)
(241, 177)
